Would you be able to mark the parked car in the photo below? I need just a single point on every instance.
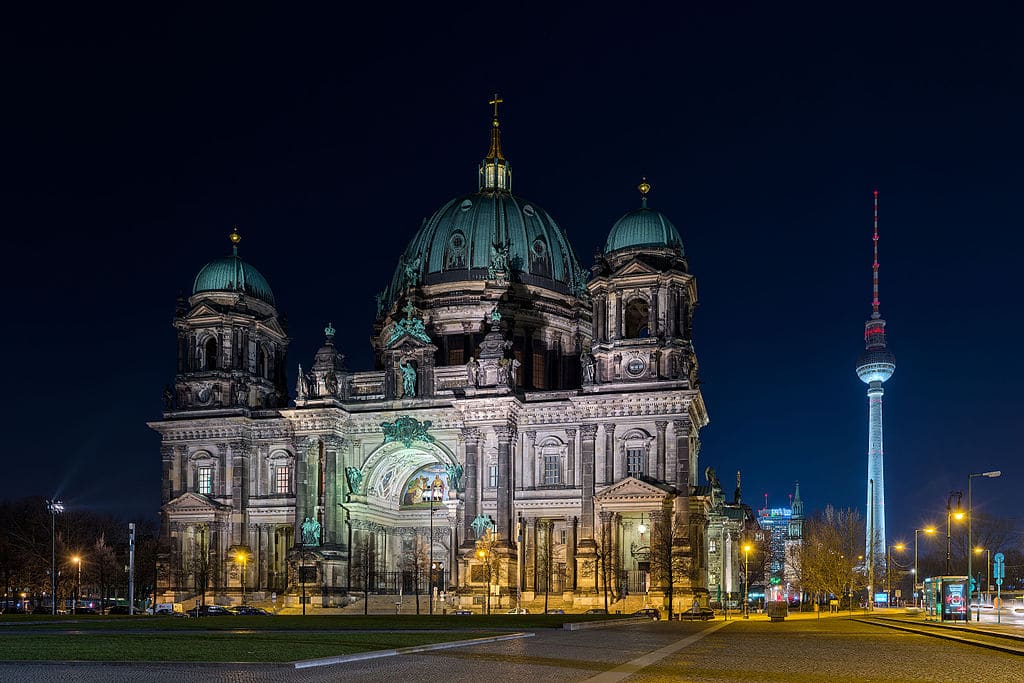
(518, 610)
(209, 611)
(555, 611)
(650, 612)
(596, 610)
(701, 613)
(248, 611)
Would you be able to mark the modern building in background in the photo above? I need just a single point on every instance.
(875, 365)
(782, 529)
(530, 426)
(730, 524)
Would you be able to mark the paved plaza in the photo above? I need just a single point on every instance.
(830, 649)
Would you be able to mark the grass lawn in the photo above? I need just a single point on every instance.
(253, 646)
(9, 623)
(245, 639)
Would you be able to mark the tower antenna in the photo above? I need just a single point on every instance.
(874, 268)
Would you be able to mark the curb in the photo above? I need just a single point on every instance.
(377, 654)
(604, 623)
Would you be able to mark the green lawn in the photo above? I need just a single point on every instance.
(255, 646)
(245, 639)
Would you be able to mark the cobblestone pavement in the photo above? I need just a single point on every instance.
(832, 650)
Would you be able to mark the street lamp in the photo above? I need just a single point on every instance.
(54, 506)
(243, 557)
(970, 541)
(927, 530)
(988, 574)
(950, 514)
(746, 580)
(78, 591)
(888, 568)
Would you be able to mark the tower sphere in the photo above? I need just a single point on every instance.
(876, 365)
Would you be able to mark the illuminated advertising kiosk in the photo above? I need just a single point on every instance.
(946, 596)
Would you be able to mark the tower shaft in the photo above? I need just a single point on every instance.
(876, 494)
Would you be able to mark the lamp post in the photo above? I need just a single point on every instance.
(970, 541)
(78, 590)
(888, 569)
(988, 575)
(54, 506)
(243, 557)
(746, 580)
(927, 530)
(949, 515)
(430, 568)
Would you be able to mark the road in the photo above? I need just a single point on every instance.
(830, 649)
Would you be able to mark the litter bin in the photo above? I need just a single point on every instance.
(778, 610)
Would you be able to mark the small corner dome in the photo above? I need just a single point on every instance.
(642, 228)
(232, 274)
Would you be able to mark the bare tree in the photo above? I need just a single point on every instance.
(415, 562)
(830, 559)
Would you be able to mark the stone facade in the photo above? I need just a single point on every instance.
(527, 430)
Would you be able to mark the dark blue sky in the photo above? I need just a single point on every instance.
(134, 141)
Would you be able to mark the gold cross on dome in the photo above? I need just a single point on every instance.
(496, 100)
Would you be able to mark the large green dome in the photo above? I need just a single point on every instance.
(643, 227)
(455, 244)
(232, 274)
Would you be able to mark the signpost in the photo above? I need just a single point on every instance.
(999, 572)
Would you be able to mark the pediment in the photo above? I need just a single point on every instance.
(632, 488)
(636, 267)
(203, 310)
(193, 503)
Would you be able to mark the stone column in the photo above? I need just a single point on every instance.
(681, 429)
(570, 464)
(588, 435)
(652, 313)
(660, 463)
(331, 498)
(505, 436)
(610, 457)
(471, 435)
(570, 554)
(530, 460)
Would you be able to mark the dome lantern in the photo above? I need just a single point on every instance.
(495, 174)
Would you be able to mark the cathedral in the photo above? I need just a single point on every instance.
(530, 428)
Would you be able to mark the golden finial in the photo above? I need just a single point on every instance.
(644, 188)
(495, 150)
(234, 236)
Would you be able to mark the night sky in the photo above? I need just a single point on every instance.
(133, 142)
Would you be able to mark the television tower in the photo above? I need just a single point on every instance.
(875, 365)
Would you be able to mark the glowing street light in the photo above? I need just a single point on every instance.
(243, 557)
(746, 579)
(888, 568)
(78, 592)
(970, 541)
(958, 514)
(927, 530)
(54, 506)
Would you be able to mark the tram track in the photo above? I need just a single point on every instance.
(965, 635)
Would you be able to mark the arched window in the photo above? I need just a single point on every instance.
(210, 353)
(637, 447)
(551, 456)
(637, 313)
